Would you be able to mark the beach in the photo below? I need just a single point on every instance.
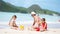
(12, 31)
(29, 17)
(52, 22)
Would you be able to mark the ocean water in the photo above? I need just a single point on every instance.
(27, 20)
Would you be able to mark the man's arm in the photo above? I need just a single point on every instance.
(35, 21)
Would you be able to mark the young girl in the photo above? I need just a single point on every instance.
(12, 22)
(43, 24)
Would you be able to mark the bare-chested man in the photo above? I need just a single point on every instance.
(36, 23)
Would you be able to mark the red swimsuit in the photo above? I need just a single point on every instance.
(38, 28)
(43, 25)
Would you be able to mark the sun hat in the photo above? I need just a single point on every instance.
(33, 13)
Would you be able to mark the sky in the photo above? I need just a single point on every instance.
(53, 5)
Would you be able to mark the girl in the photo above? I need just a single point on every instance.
(12, 22)
(43, 24)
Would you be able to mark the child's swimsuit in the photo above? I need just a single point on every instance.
(43, 24)
(12, 23)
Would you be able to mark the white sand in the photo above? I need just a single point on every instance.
(12, 31)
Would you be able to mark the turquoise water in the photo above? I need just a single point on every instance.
(27, 19)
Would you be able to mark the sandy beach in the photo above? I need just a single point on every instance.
(12, 31)
(52, 21)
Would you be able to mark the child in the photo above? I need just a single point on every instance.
(12, 22)
(43, 24)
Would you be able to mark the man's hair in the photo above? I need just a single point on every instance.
(34, 14)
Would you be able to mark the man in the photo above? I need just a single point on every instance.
(36, 22)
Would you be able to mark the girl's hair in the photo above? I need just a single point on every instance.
(43, 19)
(15, 16)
